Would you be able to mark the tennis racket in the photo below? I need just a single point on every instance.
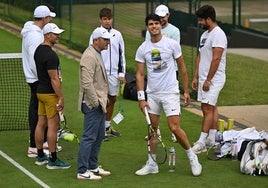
(156, 147)
(214, 152)
(64, 131)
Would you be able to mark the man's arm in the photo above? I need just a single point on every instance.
(140, 85)
(195, 78)
(216, 58)
(55, 82)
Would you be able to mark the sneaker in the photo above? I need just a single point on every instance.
(58, 164)
(32, 152)
(112, 132)
(88, 176)
(199, 148)
(147, 169)
(146, 138)
(173, 138)
(100, 171)
(195, 166)
(45, 146)
(41, 160)
(106, 137)
(210, 143)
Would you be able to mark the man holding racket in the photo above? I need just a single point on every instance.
(209, 75)
(158, 55)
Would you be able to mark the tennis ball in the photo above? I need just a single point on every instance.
(69, 137)
(155, 52)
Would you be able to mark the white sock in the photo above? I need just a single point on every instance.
(107, 124)
(203, 137)
(150, 160)
(212, 134)
(190, 153)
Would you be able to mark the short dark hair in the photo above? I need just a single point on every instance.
(206, 11)
(106, 12)
(153, 17)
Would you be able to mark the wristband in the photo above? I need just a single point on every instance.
(141, 95)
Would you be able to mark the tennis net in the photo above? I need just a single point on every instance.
(14, 93)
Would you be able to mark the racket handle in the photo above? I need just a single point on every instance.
(147, 116)
(61, 116)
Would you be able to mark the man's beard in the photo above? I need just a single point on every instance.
(163, 23)
(205, 27)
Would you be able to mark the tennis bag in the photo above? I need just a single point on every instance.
(255, 159)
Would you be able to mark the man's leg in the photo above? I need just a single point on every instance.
(110, 131)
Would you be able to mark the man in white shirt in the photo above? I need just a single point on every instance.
(169, 31)
(32, 36)
(158, 55)
(115, 65)
(209, 76)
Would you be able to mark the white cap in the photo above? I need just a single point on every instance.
(100, 32)
(52, 28)
(161, 10)
(43, 11)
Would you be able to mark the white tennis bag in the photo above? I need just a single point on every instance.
(255, 159)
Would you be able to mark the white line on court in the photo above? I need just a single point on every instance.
(37, 180)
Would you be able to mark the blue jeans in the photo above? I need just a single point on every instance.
(93, 134)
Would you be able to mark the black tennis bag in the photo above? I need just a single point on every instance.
(130, 90)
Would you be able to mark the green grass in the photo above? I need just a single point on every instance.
(123, 156)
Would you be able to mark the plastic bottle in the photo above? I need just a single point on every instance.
(234, 150)
(172, 159)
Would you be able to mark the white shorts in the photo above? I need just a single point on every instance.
(113, 85)
(211, 96)
(170, 103)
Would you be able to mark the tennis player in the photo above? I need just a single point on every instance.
(158, 55)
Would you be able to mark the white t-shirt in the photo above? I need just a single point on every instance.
(159, 59)
(208, 40)
(170, 31)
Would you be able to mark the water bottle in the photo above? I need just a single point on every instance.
(172, 159)
(234, 150)
(219, 136)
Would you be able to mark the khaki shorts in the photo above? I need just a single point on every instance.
(47, 105)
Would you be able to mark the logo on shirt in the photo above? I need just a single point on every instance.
(158, 63)
(202, 43)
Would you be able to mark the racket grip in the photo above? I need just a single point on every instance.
(61, 116)
(147, 116)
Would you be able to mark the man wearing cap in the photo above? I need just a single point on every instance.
(50, 97)
(32, 36)
(93, 98)
(169, 31)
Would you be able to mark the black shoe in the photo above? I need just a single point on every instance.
(112, 132)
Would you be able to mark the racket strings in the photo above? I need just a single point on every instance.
(156, 146)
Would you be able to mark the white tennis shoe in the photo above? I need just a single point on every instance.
(88, 176)
(199, 147)
(147, 169)
(195, 166)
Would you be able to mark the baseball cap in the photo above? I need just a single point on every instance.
(100, 32)
(43, 11)
(161, 10)
(52, 28)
